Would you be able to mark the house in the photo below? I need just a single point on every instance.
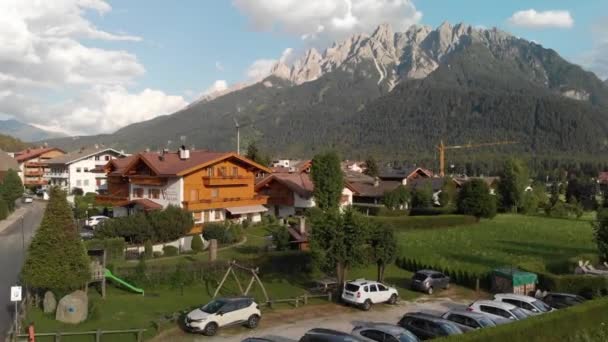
(369, 191)
(492, 182)
(355, 166)
(81, 169)
(213, 186)
(405, 175)
(435, 183)
(7, 163)
(33, 164)
(290, 190)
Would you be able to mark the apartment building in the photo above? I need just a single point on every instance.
(33, 164)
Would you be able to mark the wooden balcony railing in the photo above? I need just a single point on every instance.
(116, 200)
(212, 203)
(227, 180)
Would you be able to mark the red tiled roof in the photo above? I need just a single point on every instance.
(603, 177)
(367, 189)
(31, 153)
(146, 203)
(299, 183)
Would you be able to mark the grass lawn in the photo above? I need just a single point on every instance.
(504, 241)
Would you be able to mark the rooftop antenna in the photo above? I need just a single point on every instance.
(238, 137)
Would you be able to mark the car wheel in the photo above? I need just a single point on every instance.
(367, 305)
(210, 329)
(393, 299)
(429, 291)
(253, 321)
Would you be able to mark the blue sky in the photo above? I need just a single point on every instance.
(95, 66)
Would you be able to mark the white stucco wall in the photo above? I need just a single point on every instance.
(301, 202)
(83, 179)
(347, 192)
(169, 194)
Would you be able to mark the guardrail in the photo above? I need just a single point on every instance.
(139, 334)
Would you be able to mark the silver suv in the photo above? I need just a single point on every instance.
(429, 280)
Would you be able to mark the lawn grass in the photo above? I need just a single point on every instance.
(507, 240)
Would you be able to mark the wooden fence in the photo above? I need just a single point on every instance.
(298, 300)
(98, 334)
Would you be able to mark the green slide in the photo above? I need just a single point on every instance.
(109, 275)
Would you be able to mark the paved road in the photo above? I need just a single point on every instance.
(11, 257)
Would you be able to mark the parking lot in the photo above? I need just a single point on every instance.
(294, 323)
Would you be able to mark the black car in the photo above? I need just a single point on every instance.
(427, 327)
(268, 339)
(562, 300)
(328, 335)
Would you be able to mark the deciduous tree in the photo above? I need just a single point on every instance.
(600, 232)
(397, 198)
(383, 248)
(371, 167)
(422, 196)
(475, 199)
(513, 181)
(12, 188)
(328, 180)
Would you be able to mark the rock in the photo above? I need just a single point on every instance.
(49, 303)
(73, 308)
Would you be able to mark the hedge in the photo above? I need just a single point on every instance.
(460, 277)
(115, 247)
(571, 324)
(432, 211)
(423, 222)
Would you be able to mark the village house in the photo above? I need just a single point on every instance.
(7, 163)
(290, 189)
(82, 169)
(352, 165)
(602, 179)
(213, 186)
(33, 164)
(368, 191)
(405, 175)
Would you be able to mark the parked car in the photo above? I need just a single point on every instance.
(95, 220)
(363, 293)
(530, 305)
(27, 199)
(384, 332)
(328, 335)
(498, 309)
(268, 339)
(562, 300)
(429, 280)
(471, 319)
(86, 234)
(427, 327)
(223, 312)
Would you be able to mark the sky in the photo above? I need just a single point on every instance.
(94, 66)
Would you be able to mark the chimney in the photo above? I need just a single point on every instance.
(376, 182)
(302, 226)
(184, 153)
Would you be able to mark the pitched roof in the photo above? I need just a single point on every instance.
(7, 162)
(170, 164)
(31, 153)
(403, 173)
(297, 165)
(370, 189)
(299, 183)
(81, 154)
(435, 182)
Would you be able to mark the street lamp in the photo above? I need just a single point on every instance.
(23, 236)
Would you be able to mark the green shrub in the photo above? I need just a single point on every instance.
(563, 325)
(3, 209)
(170, 251)
(157, 254)
(148, 250)
(460, 277)
(197, 244)
(432, 211)
(423, 222)
(382, 211)
(215, 231)
(115, 247)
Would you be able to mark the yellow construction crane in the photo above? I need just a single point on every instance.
(441, 147)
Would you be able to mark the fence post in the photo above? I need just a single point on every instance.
(477, 285)
(305, 298)
(140, 335)
(329, 296)
(58, 337)
(297, 301)
(98, 335)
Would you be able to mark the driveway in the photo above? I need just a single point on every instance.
(294, 323)
(11, 254)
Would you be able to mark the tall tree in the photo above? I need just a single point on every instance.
(397, 198)
(600, 232)
(371, 167)
(513, 181)
(253, 153)
(328, 180)
(337, 240)
(475, 199)
(583, 190)
(422, 196)
(56, 259)
(12, 188)
(384, 248)
(448, 194)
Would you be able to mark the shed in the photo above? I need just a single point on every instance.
(512, 280)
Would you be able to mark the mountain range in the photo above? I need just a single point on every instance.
(395, 95)
(26, 132)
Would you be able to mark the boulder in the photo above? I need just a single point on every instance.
(73, 308)
(49, 303)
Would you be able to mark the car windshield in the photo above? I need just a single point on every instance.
(485, 322)
(541, 306)
(213, 307)
(519, 313)
(419, 276)
(352, 287)
(408, 337)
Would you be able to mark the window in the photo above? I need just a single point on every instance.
(138, 192)
(218, 214)
(79, 183)
(86, 182)
(366, 289)
(96, 157)
(373, 335)
(372, 288)
(206, 215)
(78, 169)
(107, 158)
(457, 318)
(221, 172)
(382, 287)
(154, 193)
(210, 171)
(215, 193)
(235, 171)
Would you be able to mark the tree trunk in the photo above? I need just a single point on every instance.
(379, 267)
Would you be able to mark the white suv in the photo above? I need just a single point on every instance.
(498, 310)
(223, 312)
(364, 293)
(93, 221)
(530, 305)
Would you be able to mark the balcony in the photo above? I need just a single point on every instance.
(35, 182)
(56, 175)
(111, 200)
(34, 173)
(215, 203)
(227, 180)
(148, 180)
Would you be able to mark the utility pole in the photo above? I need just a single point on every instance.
(238, 137)
(23, 236)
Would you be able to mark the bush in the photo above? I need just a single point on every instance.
(382, 211)
(157, 254)
(423, 222)
(3, 209)
(135, 229)
(148, 250)
(224, 233)
(115, 247)
(197, 244)
(563, 325)
(170, 251)
(460, 277)
(432, 211)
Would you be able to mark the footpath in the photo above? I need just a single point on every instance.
(13, 217)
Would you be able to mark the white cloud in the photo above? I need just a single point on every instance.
(261, 68)
(217, 86)
(40, 51)
(596, 59)
(327, 19)
(540, 20)
(219, 66)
